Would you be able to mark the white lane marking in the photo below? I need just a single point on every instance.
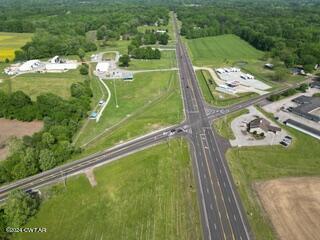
(232, 190)
(211, 206)
(235, 218)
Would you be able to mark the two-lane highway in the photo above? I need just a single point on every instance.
(221, 211)
(60, 173)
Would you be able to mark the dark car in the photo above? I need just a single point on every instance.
(284, 143)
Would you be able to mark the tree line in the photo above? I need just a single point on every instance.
(51, 146)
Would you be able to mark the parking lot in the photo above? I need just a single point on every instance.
(243, 138)
(244, 79)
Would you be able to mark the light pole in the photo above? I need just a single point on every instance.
(115, 92)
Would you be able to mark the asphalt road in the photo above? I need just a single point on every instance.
(222, 215)
(60, 173)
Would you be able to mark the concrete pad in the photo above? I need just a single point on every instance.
(239, 88)
(90, 175)
(236, 76)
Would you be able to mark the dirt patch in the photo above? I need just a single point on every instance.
(9, 128)
(293, 206)
(90, 175)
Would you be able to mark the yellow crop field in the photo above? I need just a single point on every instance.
(9, 42)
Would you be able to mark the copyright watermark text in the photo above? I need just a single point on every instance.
(26, 230)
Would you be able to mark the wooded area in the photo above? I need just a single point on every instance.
(52, 146)
(60, 29)
(290, 32)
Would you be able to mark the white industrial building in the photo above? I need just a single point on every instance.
(103, 67)
(61, 66)
(29, 65)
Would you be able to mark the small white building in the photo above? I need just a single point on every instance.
(161, 31)
(103, 67)
(55, 59)
(29, 65)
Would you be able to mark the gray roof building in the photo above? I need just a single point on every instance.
(306, 107)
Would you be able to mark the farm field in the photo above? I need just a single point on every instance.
(149, 102)
(148, 195)
(10, 128)
(9, 42)
(216, 98)
(252, 164)
(293, 206)
(221, 50)
(168, 60)
(230, 50)
(35, 84)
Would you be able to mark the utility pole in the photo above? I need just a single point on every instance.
(115, 92)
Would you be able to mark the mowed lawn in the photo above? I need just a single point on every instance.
(148, 195)
(167, 61)
(149, 102)
(9, 42)
(221, 50)
(35, 84)
(251, 164)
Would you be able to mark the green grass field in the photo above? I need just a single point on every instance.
(120, 45)
(251, 164)
(109, 56)
(168, 60)
(221, 50)
(223, 125)
(9, 42)
(147, 195)
(149, 102)
(35, 84)
(216, 98)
